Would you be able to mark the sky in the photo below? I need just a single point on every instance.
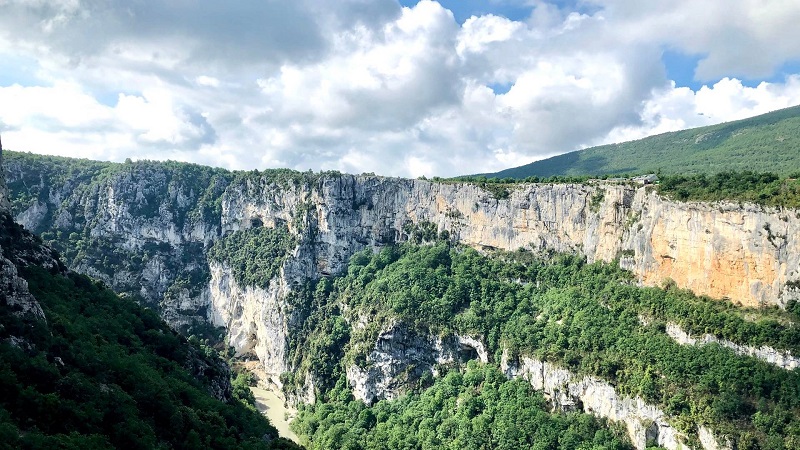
(406, 88)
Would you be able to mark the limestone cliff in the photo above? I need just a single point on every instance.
(744, 253)
(157, 220)
(782, 359)
(568, 391)
(144, 228)
(19, 249)
(256, 320)
(402, 356)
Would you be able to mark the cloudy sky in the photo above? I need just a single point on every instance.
(404, 88)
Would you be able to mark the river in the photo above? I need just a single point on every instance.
(271, 406)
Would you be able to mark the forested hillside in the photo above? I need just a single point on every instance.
(96, 371)
(766, 143)
(477, 409)
(587, 318)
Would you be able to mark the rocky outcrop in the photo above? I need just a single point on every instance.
(567, 391)
(745, 253)
(145, 229)
(257, 320)
(711, 442)
(780, 358)
(5, 203)
(402, 356)
(19, 249)
(147, 212)
(211, 371)
(14, 292)
(140, 228)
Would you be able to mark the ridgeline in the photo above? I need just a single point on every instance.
(765, 143)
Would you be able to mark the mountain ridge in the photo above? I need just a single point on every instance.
(766, 143)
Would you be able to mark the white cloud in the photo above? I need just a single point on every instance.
(676, 108)
(204, 80)
(365, 85)
(62, 119)
(742, 38)
(63, 105)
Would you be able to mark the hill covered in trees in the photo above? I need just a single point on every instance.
(765, 143)
(82, 368)
(587, 318)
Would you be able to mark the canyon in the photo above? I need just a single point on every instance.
(145, 229)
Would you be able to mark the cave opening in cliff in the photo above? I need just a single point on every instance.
(651, 435)
(467, 353)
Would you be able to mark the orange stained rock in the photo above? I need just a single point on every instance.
(717, 265)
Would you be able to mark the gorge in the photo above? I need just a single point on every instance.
(162, 233)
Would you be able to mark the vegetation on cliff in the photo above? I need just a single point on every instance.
(765, 143)
(179, 190)
(761, 188)
(103, 372)
(255, 255)
(583, 317)
(479, 409)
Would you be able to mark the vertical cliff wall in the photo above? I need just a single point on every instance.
(743, 253)
(145, 229)
(161, 219)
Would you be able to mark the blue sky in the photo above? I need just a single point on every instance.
(464, 9)
(404, 88)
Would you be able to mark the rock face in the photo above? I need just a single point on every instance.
(255, 319)
(145, 228)
(780, 358)
(744, 253)
(566, 391)
(5, 203)
(401, 356)
(142, 230)
(19, 249)
(151, 216)
(14, 291)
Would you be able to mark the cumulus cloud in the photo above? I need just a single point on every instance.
(368, 85)
(40, 116)
(742, 38)
(676, 108)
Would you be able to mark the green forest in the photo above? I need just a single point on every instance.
(761, 188)
(255, 255)
(583, 317)
(101, 372)
(477, 409)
